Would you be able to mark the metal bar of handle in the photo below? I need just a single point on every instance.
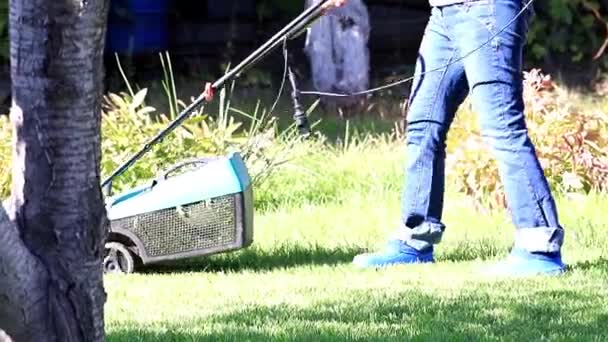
(307, 16)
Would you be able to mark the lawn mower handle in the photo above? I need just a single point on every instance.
(294, 27)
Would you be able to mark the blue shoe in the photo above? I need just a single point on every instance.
(396, 252)
(521, 263)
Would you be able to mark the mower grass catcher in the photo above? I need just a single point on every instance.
(195, 208)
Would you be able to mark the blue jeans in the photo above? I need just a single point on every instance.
(492, 77)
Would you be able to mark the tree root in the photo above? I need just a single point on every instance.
(23, 286)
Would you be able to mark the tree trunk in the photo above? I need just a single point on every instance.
(51, 241)
(337, 47)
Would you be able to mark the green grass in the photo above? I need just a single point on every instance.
(296, 282)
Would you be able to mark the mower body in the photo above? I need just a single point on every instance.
(205, 210)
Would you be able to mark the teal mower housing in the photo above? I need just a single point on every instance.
(195, 208)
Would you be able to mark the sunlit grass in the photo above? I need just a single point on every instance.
(296, 282)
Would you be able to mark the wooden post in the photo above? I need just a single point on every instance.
(337, 48)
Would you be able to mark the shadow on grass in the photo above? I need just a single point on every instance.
(255, 259)
(291, 255)
(600, 264)
(474, 314)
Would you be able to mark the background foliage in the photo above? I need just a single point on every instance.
(564, 33)
(569, 32)
(128, 124)
(3, 31)
(571, 140)
(571, 137)
(5, 157)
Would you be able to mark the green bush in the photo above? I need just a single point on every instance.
(572, 145)
(127, 124)
(5, 157)
(569, 32)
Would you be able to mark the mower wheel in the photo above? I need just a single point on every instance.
(118, 259)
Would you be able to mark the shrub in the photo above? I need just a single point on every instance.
(572, 145)
(569, 32)
(128, 124)
(5, 157)
(572, 142)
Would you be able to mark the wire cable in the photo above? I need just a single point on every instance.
(285, 68)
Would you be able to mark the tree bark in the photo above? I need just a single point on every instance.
(53, 231)
(337, 47)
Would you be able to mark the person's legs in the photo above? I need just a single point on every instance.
(494, 73)
(434, 101)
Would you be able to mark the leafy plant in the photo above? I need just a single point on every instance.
(128, 124)
(5, 157)
(575, 29)
(572, 145)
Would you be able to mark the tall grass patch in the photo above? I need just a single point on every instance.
(324, 172)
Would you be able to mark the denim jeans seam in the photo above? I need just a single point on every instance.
(498, 58)
(429, 114)
(535, 196)
(418, 165)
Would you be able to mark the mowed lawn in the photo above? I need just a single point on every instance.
(296, 282)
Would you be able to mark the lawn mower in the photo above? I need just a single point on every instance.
(196, 207)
